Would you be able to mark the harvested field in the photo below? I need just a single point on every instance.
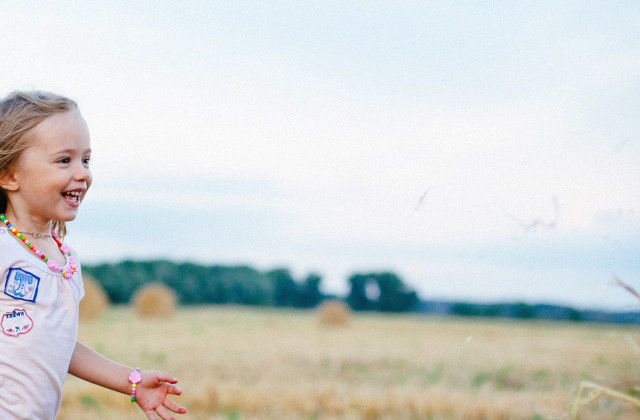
(248, 363)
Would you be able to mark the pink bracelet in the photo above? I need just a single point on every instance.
(135, 379)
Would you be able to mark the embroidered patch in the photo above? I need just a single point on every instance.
(16, 322)
(22, 285)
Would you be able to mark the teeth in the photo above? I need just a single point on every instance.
(76, 193)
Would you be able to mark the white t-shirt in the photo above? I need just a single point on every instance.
(39, 324)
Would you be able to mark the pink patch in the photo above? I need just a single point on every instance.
(16, 322)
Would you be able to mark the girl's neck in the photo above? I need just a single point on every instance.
(46, 246)
(28, 223)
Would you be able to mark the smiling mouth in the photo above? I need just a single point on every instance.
(72, 197)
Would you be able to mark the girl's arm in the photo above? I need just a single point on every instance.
(151, 393)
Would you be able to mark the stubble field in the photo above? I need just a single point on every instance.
(243, 363)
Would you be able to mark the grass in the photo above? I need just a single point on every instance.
(241, 363)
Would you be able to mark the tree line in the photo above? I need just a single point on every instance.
(243, 285)
(196, 284)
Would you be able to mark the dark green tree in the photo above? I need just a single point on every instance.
(384, 292)
(357, 298)
(524, 311)
(394, 295)
(310, 295)
(285, 289)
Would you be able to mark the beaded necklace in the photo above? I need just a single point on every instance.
(66, 272)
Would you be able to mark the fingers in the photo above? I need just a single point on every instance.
(155, 377)
(165, 377)
(173, 406)
(151, 415)
(163, 414)
(173, 389)
(160, 411)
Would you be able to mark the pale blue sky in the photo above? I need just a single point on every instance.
(482, 150)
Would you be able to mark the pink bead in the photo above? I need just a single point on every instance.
(135, 376)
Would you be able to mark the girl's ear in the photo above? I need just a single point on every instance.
(8, 181)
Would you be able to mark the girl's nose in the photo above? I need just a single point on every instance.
(82, 173)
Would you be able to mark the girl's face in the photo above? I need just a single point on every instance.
(52, 176)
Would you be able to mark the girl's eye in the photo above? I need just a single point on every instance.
(64, 160)
(86, 160)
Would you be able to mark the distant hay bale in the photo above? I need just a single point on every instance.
(95, 301)
(154, 300)
(334, 312)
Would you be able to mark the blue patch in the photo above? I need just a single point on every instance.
(22, 285)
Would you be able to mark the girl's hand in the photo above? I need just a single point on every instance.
(152, 395)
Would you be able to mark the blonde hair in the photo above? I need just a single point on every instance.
(20, 112)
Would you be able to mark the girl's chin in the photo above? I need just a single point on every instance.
(71, 217)
(68, 215)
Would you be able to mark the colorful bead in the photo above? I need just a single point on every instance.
(53, 266)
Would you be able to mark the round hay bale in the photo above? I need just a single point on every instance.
(154, 300)
(334, 312)
(95, 301)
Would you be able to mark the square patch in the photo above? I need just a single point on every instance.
(22, 285)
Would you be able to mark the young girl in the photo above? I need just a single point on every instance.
(44, 176)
